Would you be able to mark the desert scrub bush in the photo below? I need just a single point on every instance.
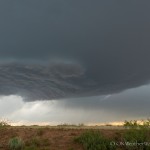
(137, 137)
(16, 143)
(131, 124)
(93, 140)
(4, 123)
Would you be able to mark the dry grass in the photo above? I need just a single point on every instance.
(50, 138)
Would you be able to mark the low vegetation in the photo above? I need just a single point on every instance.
(135, 135)
(71, 125)
(93, 140)
(4, 124)
(36, 143)
(16, 143)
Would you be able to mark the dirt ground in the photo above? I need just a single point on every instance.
(46, 138)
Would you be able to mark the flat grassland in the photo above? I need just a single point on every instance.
(53, 137)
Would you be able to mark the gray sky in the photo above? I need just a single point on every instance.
(70, 51)
(130, 104)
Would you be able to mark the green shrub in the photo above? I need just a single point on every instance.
(134, 124)
(36, 142)
(16, 143)
(4, 124)
(137, 135)
(93, 140)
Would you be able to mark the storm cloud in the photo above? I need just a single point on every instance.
(65, 49)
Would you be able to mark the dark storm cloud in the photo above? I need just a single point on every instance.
(97, 47)
(129, 104)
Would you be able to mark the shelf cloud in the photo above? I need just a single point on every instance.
(66, 49)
